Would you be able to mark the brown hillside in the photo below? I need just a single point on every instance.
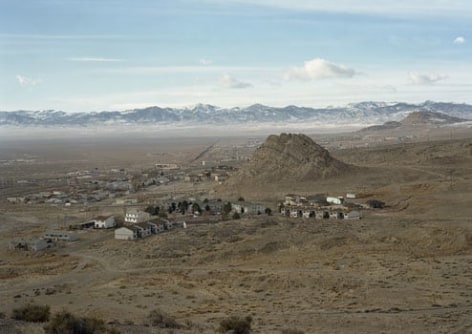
(289, 157)
(430, 117)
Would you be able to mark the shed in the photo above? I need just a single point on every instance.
(334, 200)
(61, 235)
(126, 233)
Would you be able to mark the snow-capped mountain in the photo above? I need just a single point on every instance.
(201, 114)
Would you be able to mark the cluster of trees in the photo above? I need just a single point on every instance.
(185, 207)
(179, 207)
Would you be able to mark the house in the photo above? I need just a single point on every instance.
(143, 229)
(168, 225)
(220, 177)
(239, 208)
(104, 222)
(60, 235)
(157, 225)
(354, 214)
(126, 233)
(309, 213)
(256, 209)
(134, 216)
(16, 200)
(295, 213)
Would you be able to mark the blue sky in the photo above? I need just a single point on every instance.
(91, 55)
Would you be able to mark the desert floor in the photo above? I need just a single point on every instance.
(402, 269)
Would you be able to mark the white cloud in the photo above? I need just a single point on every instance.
(94, 59)
(227, 81)
(459, 40)
(25, 81)
(319, 68)
(425, 79)
(205, 61)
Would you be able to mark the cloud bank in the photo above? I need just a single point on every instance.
(425, 79)
(25, 81)
(319, 68)
(229, 82)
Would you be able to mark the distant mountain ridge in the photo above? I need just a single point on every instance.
(357, 113)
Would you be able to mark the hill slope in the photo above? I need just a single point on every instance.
(289, 158)
(431, 118)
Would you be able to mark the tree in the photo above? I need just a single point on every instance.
(153, 210)
(172, 207)
(268, 211)
(227, 207)
(183, 206)
(236, 215)
(196, 208)
(375, 204)
(241, 199)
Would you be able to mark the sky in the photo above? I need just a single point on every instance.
(95, 55)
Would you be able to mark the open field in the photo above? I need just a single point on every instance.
(403, 269)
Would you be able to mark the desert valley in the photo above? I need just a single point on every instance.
(361, 232)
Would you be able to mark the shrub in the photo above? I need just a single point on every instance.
(236, 216)
(65, 322)
(375, 204)
(32, 313)
(161, 319)
(237, 325)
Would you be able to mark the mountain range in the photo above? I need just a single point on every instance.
(364, 113)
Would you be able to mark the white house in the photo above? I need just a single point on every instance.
(134, 216)
(104, 222)
(126, 233)
(334, 200)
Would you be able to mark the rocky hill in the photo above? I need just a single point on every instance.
(289, 158)
(418, 118)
